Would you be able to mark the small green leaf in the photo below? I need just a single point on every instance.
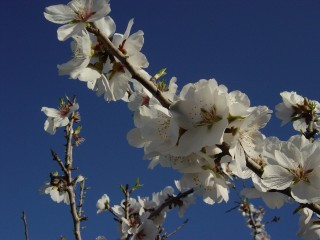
(122, 188)
(160, 74)
(137, 185)
(78, 129)
(61, 102)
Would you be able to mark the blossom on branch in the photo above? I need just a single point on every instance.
(75, 15)
(297, 109)
(82, 53)
(296, 165)
(103, 204)
(201, 113)
(243, 132)
(58, 117)
(309, 225)
(115, 82)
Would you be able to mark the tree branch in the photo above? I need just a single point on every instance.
(70, 186)
(112, 50)
(169, 202)
(24, 219)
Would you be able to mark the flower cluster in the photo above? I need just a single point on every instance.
(254, 220)
(207, 133)
(299, 110)
(57, 188)
(59, 117)
(143, 217)
(89, 26)
(309, 224)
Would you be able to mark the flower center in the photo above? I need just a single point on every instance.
(208, 117)
(300, 174)
(64, 110)
(82, 12)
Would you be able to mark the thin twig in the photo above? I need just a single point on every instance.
(176, 230)
(24, 219)
(169, 202)
(114, 51)
(59, 161)
(126, 203)
(70, 188)
(81, 200)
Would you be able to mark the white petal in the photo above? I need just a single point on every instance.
(59, 14)
(106, 26)
(49, 126)
(276, 177)
(69, 30)
(50, 112)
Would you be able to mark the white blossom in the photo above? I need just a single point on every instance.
(309, 226)
(75, 15)
(58, 117)
(57, 194)
(82, 53)
(201, 113)
(103, 203)
(211, 186)
(295, 165)
(116, 81)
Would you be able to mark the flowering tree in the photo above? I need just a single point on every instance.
(210, 135)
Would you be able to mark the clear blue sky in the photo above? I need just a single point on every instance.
(259, 47)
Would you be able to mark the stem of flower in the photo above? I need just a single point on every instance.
(114, 51)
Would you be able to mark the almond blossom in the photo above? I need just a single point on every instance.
(297, 109)
(58, 117)
(309, 226)
(295, 165)
(103, 204)
(209, 184)
(245, 139)
(82, 53)
(115, 83)
(201, 114)
(75, 15)
(157, 129)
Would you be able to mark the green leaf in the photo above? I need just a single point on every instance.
(123, 189)
(160, 74)
(137, 185)
(78, 129)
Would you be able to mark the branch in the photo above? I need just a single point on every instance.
(169, 202)
(81, 200)
(175, 231)
(70, 186)
(24, 219)
(257, 169)
(59, 161)
(114, 51)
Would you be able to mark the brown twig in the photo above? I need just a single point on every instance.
(169, 202)
(175, 231)
(59, 161)
(81, 200)
(24, 219)
(70, 186)
(114, 51)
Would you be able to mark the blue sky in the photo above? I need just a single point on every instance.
(258, 47)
